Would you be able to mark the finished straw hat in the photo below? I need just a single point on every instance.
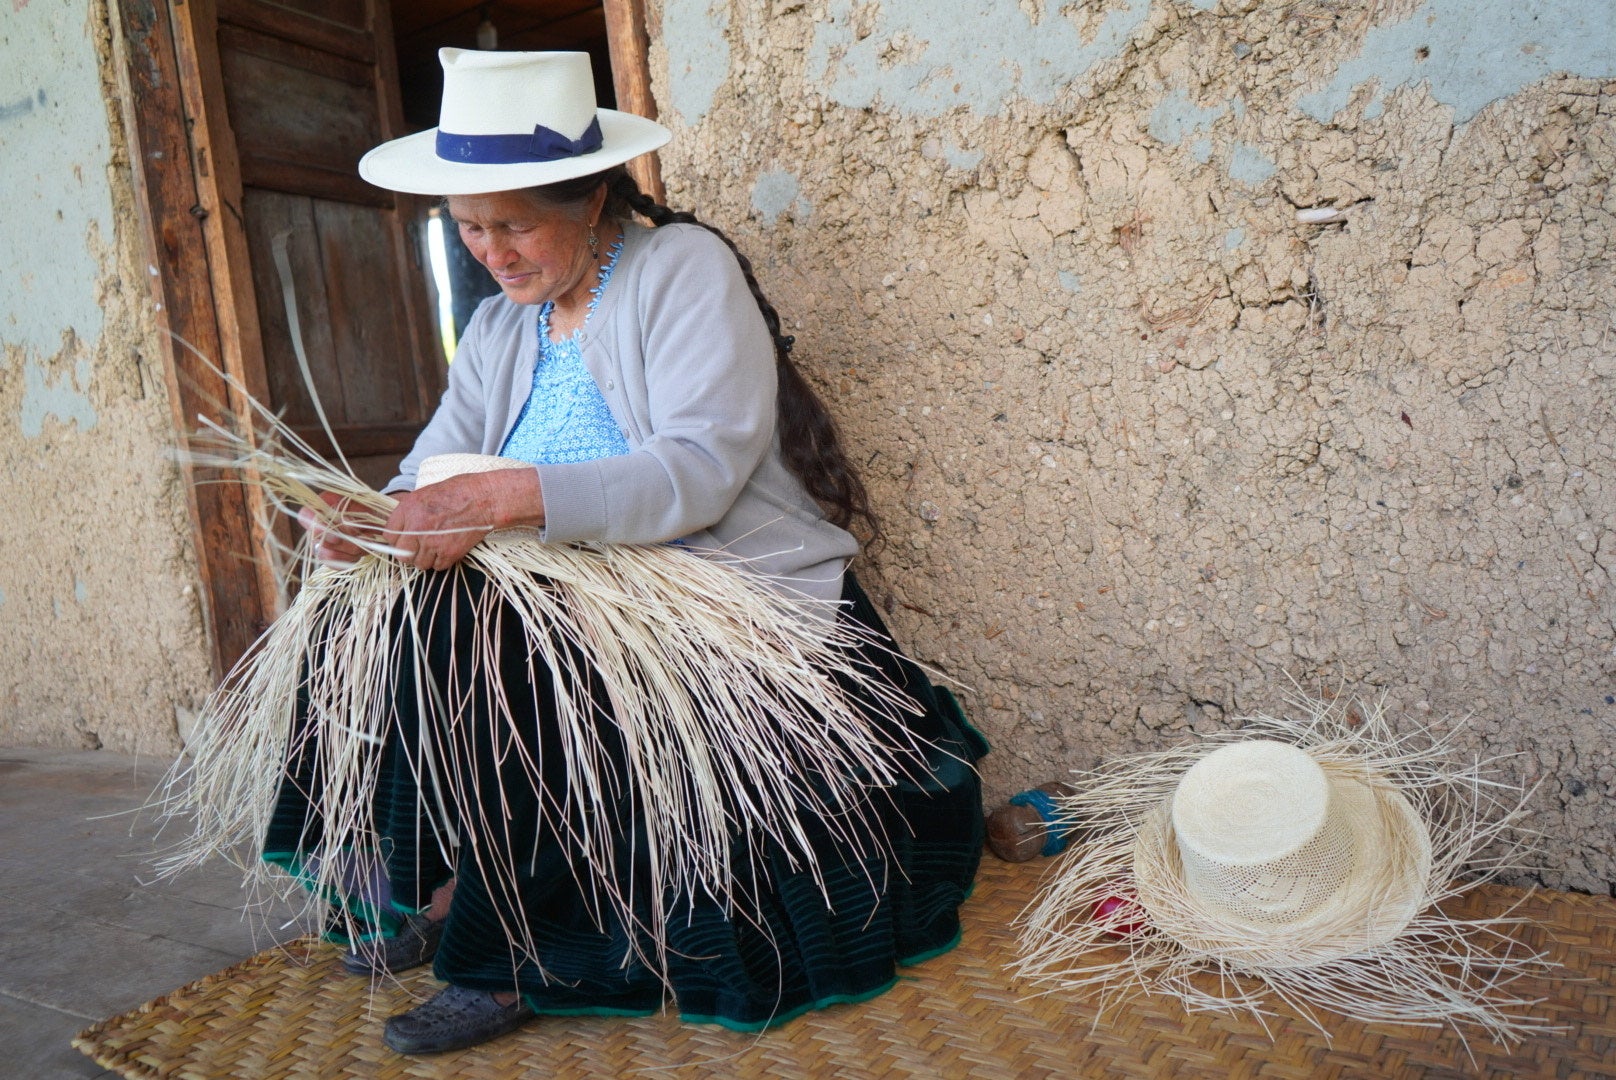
(1302, 858)
(1262, 843)
(511, 120)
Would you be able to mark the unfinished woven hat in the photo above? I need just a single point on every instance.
(440, 467)
(1299, 858)
(511, 120)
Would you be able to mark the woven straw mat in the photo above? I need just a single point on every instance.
(292, 1012)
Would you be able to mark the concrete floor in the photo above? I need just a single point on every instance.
(85, 932)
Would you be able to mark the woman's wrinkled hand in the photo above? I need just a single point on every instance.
(439, 524)
(329, 545)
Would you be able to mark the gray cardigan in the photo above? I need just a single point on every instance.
(680, 352)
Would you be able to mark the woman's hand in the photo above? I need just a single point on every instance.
(438, 524)
(329, 547)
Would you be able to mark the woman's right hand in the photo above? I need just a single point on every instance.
(434, 527)
(329, 545)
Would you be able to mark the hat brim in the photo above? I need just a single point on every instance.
(1387, 887)
(412, 165)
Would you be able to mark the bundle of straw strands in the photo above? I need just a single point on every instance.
(1439, 970)
(735, 706)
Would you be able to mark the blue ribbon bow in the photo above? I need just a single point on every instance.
(544, 144)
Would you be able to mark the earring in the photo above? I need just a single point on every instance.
(594, 242)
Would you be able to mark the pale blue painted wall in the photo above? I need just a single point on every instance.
(982, 54)
(1473, 52)
(777, 191)
(978, 54)
(698, 53)
(1175, 118)
(54, 153)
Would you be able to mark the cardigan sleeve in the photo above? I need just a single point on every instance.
(710, 383)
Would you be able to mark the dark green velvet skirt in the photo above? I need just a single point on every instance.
(796, 943)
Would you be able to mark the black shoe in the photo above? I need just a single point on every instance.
(413, 945)
(453, 1020)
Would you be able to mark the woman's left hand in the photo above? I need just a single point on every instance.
(439, 524)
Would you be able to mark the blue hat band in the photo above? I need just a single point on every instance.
(542, 145)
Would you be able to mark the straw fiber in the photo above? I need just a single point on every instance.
(291, 1012)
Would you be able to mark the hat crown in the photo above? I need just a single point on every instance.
(512, 93)
(1258, 834)
(1251, 802)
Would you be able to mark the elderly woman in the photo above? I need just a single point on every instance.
(640, 374)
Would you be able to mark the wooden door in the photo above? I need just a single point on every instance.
(289, 95)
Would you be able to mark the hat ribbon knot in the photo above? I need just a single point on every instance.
(544, 144)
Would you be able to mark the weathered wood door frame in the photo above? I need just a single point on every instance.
(628, 40)
(236, 602)
(202, 282)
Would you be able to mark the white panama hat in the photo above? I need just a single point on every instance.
(511, 120)
(1304, 857)
(1261, 844)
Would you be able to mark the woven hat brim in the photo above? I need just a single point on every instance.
(412, 165)
(440, 467)
(1388, 886)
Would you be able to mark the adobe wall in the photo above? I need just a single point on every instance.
(1148, 445)
(101, 639)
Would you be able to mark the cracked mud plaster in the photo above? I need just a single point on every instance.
(1146, 447)
(101, 641)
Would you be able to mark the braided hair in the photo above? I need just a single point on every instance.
(810, 443)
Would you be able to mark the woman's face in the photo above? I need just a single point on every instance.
(536, 253)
